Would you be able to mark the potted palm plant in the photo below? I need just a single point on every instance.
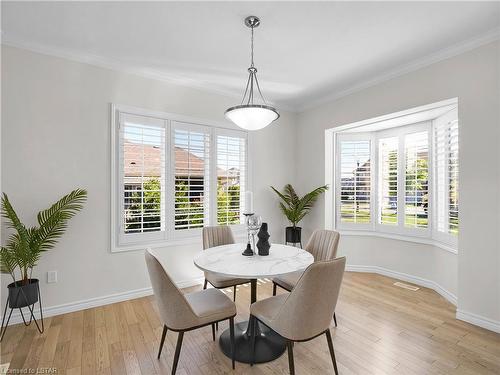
(295, 208)
(25, 245)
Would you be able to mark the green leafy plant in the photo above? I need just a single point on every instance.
(25, 246)
(295, 207)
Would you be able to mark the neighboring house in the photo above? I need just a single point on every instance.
(189, 168)
(361, 180)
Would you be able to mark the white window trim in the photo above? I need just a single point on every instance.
(167, 238)
(428, 236)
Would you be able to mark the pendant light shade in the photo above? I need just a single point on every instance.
(248, 115)
(252, 116)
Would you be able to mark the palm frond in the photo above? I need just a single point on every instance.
(54, 221)
(65, 208)
(290, 191)
(308, 200)
(283, 197)
(13, 221)
(8, 261)
(294, 207)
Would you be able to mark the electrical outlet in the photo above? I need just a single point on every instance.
(52, 277)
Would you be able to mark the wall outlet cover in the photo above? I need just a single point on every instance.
(52, 277)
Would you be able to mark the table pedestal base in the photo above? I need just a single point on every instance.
(268, 344)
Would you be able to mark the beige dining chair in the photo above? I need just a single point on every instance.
(218, 236)
(185, 312)
(322, 245)
(306, 312)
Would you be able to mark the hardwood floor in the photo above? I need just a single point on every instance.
(382, 329)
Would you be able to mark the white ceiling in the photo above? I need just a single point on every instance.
(305, 51)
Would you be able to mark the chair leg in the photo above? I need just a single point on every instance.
(274, 289)
(205, 284)
(252, 322)
(290, 357)
(335, 319)
(213, 331)
(177, 352)
(163, 335)
(217, 326)
(332, 352)
(234, 293)
(231, 334)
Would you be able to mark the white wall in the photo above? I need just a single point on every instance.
(56, 137)
(473, 77)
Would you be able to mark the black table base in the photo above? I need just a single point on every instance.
(268, 344)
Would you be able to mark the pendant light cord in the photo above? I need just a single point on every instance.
(251, 65)
(252, 77)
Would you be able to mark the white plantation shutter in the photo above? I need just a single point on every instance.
(355, 181)
(191, 163)
(446, 172)
(142, 174)
(416, 180)
(388, 180)
(231, 176)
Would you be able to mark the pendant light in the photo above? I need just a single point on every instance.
(248, 115)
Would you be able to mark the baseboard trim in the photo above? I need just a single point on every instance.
(478, 320)
(450, 297)
(97, 301)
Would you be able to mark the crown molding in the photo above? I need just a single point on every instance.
(116, 65)
(178, 80)
(441, 55)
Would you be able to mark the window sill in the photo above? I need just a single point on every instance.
(426, 241)
(239, 233)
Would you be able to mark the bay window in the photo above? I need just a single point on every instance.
(399, 179)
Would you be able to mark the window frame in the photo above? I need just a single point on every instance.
(169, 236)
(378, 128)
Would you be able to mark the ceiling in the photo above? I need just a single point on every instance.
(305, 51)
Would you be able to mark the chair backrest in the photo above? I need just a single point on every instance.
(323, 244)
(217, 236)
(175, 311)
(309, 308)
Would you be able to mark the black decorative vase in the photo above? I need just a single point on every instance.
(293, 234)
(263, 244)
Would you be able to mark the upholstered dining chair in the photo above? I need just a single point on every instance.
(307, 311)
(218, 236)
(322, 245)
(184, 312)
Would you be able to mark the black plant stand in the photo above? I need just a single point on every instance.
(31, 308)
(293, 235)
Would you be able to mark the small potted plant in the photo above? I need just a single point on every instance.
(296, 208)
(25, 246)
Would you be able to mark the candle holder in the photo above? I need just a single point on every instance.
(253, 223)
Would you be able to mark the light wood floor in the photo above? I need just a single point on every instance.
(382, 329)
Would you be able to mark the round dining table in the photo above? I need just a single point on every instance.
(227, 260)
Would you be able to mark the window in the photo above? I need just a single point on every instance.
(404, 176)
(191, 155)
(416, 181)
(173, 177)
(142, 195)
(388, 181)
(446, 167)
(355, 181)
(231, 172)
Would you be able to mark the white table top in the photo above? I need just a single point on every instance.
(227, 260)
